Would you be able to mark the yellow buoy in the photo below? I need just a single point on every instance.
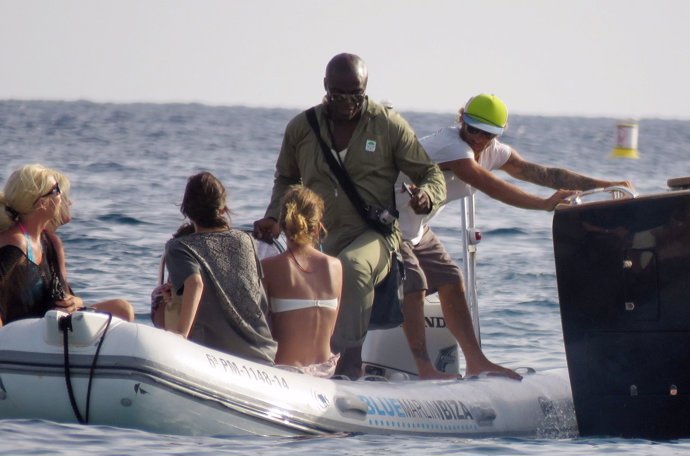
(626, 140)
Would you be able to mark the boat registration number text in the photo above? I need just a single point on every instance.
(252, 373)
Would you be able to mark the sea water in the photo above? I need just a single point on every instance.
(128, 165)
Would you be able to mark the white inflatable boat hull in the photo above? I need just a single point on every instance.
(152, 380)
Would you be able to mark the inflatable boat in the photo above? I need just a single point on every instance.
(92, 368)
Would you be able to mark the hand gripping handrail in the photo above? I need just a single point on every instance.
(617, 192)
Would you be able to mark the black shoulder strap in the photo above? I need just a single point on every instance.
(338, 171)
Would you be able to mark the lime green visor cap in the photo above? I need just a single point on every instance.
(487, 113)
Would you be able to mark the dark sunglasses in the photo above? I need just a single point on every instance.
(53, 191)
(476, 131)
(356, 98)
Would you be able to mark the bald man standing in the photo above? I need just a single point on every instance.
(372, 144)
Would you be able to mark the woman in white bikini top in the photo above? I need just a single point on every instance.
(304, 287)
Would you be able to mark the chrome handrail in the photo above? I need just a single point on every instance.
(617, 192)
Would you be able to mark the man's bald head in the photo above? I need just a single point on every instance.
(347, 65)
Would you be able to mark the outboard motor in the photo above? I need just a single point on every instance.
(623, 269)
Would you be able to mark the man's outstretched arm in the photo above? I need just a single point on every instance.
(555, 178)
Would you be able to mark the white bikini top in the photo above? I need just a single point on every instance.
(285, 305)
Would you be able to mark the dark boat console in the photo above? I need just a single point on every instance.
(623, 269)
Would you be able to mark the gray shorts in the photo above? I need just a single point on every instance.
(428, 265)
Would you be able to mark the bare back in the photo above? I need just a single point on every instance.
(303, 334)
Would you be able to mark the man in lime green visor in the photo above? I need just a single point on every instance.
(467, 153)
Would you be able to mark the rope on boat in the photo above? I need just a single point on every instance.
(65, 325)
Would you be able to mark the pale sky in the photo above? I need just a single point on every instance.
(614, 58)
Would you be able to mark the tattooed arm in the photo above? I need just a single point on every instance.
(469, 171)
(555, 178)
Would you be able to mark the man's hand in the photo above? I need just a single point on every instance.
(626, 184)
(420, 202)
(266, 229)
(558, 198)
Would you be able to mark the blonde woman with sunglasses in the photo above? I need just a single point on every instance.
(32, 262)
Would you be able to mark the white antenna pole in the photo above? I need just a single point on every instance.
(470, 238)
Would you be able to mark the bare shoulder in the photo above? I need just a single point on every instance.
(11, 238)
(273, 261)
(273, 269)
(335, 269)
(332, 262)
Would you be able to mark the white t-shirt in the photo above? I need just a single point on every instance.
(443, 146)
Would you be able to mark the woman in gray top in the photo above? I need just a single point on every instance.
(216, 272)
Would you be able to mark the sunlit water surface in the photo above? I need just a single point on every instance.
(128, 165)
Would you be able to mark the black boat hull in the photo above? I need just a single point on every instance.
(623, 269)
